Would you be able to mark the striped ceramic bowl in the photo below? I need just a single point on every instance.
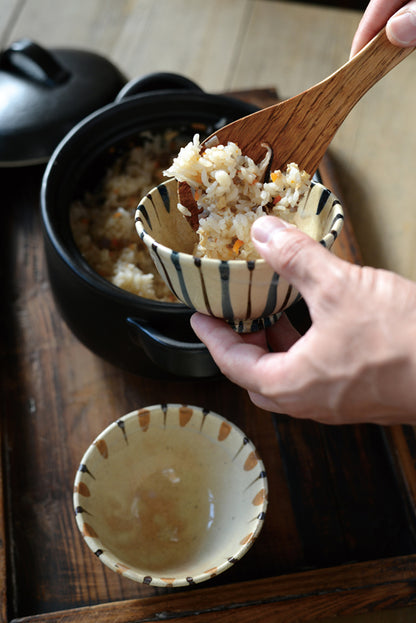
(247, 294)
(170, 495)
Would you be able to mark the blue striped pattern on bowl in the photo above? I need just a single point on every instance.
(249, 295)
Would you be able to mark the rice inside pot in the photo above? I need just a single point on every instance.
(230, 194)
(102, 220)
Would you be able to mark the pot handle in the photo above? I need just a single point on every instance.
(158, 81)
(35, 62)
(174, 356)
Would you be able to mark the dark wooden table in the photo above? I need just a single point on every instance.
(339, 535)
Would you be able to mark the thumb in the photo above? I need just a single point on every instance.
(401, 28)
(300, 260)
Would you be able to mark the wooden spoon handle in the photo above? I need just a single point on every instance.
(301, 128)
(364, 69)
(330, 101)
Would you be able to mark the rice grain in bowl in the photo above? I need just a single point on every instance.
(230, 192)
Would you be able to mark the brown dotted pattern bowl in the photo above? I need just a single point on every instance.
(170, 495)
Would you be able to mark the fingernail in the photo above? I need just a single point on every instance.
(402, 27)
(264, 227)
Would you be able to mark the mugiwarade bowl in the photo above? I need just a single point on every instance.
(249, 295)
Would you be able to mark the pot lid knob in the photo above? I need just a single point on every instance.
(44, 93)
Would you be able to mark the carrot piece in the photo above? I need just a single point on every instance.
(237, 246)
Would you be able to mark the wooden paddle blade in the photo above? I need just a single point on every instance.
(187, 199)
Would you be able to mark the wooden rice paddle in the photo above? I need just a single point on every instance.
(301, 128)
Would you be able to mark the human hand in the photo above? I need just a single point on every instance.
(356, 363)
(398, 16)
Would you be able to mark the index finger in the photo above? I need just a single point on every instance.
(249, 365)
(237, 358)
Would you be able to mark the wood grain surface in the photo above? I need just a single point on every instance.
(340, 532)
(306, 597)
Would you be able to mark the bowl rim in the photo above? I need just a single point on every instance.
(150, 242)
(111, 560)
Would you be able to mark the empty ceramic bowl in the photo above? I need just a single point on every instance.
(247, 294)
(170, 495)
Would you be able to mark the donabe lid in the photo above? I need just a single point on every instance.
(44, 93)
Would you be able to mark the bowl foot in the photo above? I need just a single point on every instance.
(253, 325)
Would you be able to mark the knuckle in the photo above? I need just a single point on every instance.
(338, 285)
(289, 252)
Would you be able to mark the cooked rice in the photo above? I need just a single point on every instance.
(227, 187)
(102, 221)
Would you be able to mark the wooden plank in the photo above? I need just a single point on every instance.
(93, 25)
(9, 12)
(308, 596)
(402, 441)
(292, 46)
(139, 36)
(3, 537)
(206, 36)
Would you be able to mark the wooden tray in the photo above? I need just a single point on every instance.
(339, 536)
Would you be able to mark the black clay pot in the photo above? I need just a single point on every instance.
(142, 336)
